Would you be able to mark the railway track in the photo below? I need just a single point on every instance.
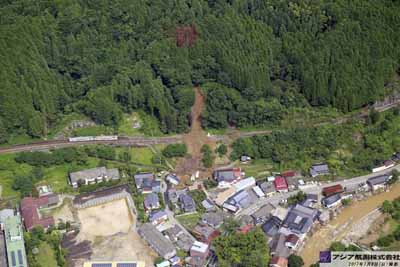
(146, 141)
(122, 141)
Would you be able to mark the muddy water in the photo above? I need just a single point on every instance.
(338, 227)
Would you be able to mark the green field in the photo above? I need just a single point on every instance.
(46, 256)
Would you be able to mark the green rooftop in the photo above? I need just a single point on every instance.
(15, 242)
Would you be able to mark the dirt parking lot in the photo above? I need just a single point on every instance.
(104, 220)
(110, 228)
(124, 247)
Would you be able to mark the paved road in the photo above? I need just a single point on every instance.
(122, 141)
(170, 213)
(312, 190)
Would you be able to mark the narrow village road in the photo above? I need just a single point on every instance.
(312, 190)
(170, 213)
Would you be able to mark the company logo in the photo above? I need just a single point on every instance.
(325, 257)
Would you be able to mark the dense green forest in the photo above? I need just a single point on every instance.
(255, 58)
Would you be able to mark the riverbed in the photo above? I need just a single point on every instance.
(341, 225)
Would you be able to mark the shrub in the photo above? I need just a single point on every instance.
(175, 150)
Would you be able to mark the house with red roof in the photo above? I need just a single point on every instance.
(281, 184)
(332, 190)
(292, 241)
(31, 216)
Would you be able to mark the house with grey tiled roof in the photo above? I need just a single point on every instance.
(332, 201)
(263, 213)
(208, 205)
(271, 226)
(187, 203)
(157, 217)
(213, 219)
(157, 241)
(151, 202)
(146, 183)
(268, 188)
(319, 169)
(378, 182)
(92, 176)
(300, 219)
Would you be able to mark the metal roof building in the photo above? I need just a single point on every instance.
(3, 254)
(382, 179)
(15, 242)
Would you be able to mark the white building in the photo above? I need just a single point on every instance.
(92, 176)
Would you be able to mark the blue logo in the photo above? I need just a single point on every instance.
(325, 257)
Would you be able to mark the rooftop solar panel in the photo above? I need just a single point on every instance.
(13, 261)
(20, 257)
(101, 264)
(126, 264)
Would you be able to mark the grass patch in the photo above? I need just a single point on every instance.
(93, 131)
(189, 221)
(139, 155)
(9, 169)
(46, 256)
(126, 127)
(256, 168)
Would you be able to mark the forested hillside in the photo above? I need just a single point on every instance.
(255, 58)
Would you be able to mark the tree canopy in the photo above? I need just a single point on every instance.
(242, 250)
(254, 58)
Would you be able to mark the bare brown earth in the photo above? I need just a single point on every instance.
(110, 230)
(194, 140)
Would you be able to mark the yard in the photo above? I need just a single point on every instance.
(256, 168)
(189, 221)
